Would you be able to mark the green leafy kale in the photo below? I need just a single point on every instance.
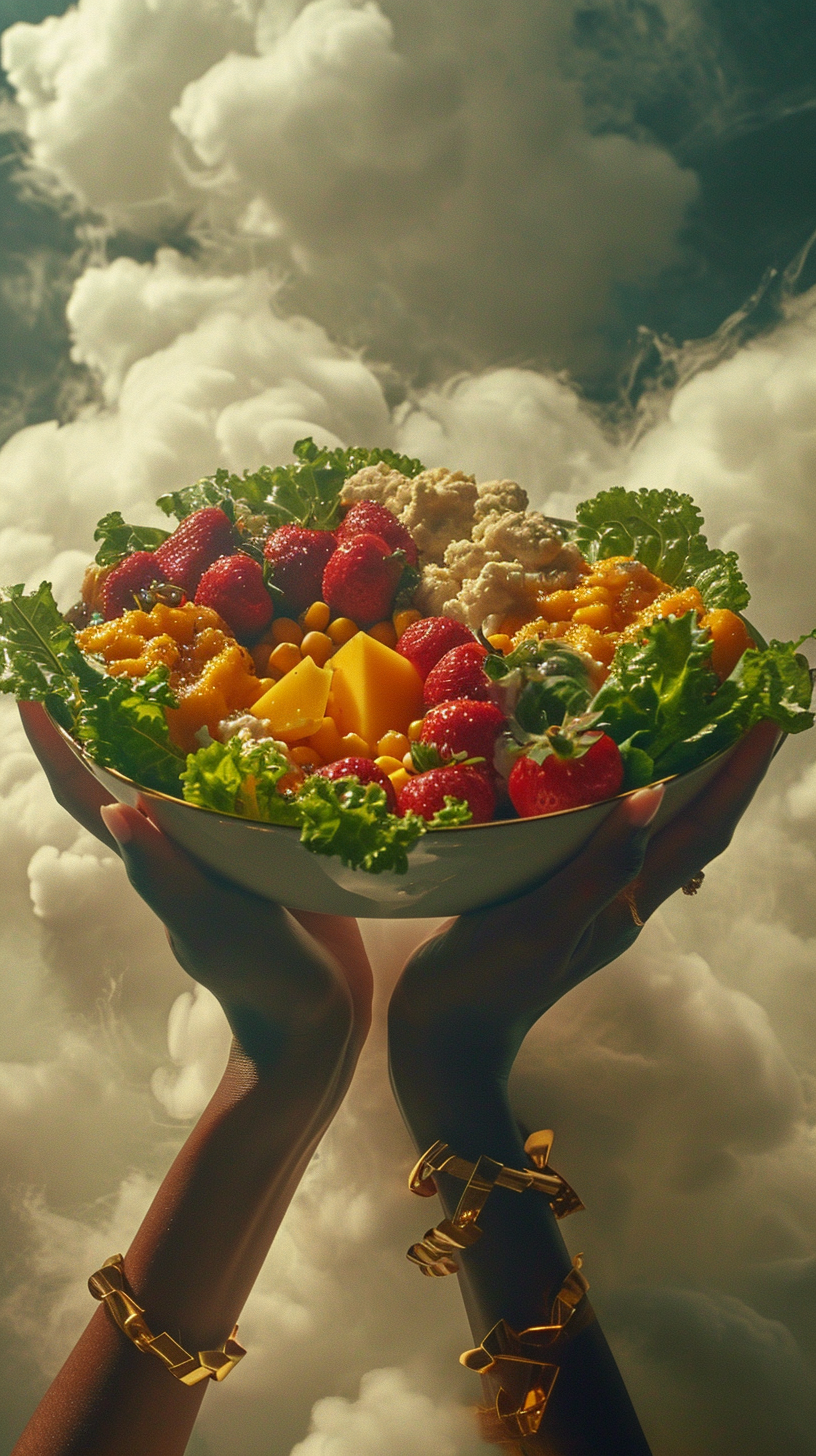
(352, 820)
(667, 710)
(121, 723)
(306, 493)
(119, 539)
(663, 530)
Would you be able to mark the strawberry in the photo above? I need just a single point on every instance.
(298, 558)
(372, 519)
(569, 776)
(425, 794)
(364, 769)
(360, 580)
(425, 642)
(194, 545)
(234, 587)
(464, 726)
(122, 585)
(457, 675)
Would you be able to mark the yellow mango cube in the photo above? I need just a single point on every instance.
(374, 689)
(296, 705)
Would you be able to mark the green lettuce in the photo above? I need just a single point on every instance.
(240, 777)
(120, 722)
(664, 530)
(119, 539)
(306, 493)
(541, 683)
(667, 710)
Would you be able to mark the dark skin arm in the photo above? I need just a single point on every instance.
(464, 1004)
(298, 998)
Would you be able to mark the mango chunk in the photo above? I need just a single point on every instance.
(374, 689)
(296, 705)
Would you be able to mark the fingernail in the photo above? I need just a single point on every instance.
(115, 821)
(644, 805)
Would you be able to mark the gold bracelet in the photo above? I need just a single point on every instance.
(109, 1285)
(434, 1255)
(523, 1364)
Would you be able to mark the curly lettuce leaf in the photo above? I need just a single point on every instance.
(39, 659)
(352, 820)
(664, 530)
(240, 777)
(667, 710)
(456, 811)
(122, 724)
(306, 493)
(540, 683)
(119, 539)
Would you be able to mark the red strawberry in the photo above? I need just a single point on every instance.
(425, 794)
(371, 519)
(234, 587)
(364, 769)
(195, 545)
(120, 587)
(298, 558)
(360, 580)
(464, 726)
(566, 782)
(457, 675)
(425, 642)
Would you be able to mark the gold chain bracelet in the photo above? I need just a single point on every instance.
(523, 1364)
(434, 1254)
(109, 1285)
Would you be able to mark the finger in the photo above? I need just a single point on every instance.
(72, 784)
(704, 830)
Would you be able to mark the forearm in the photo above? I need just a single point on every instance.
(516, 1268)
(197, 1254)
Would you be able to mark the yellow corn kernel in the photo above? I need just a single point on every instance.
(265, 683)
(285, 629)
(341, 630)
(597, 615)
(404, 619)
(500, 642)
(284, 657)
(384, 632)
(317, 646)
(305, 757)
(395, 744)
(399, 779)
(315, 618)
(387, 763)
(414, 730)
(354, 746)
(408, 762)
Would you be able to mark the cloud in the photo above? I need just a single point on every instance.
(389, 1416)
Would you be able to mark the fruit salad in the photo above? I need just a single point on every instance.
(366, 651)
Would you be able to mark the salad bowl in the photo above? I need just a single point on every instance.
(450, 871)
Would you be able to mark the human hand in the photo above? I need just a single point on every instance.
(471, 992)
(249, 952)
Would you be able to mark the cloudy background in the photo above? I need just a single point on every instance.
(561, 241)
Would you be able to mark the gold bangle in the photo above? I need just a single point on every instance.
(109, 1285)
(435, 1254)
(692, 886)
(523, 1364)
(628, 897)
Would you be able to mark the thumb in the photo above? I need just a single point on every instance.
(164, 876)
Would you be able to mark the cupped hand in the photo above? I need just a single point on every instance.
(264, 964)
(474, 989)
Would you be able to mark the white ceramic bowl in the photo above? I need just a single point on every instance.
(449, 870)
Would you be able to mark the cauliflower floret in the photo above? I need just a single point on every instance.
(378, 483)
(563, 572)
(500, 495)
(440, 510)
(464, 559)
(437, 591)
(500, 587)
(530, 539)
(247, 727)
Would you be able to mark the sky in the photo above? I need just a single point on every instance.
(560, 242)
